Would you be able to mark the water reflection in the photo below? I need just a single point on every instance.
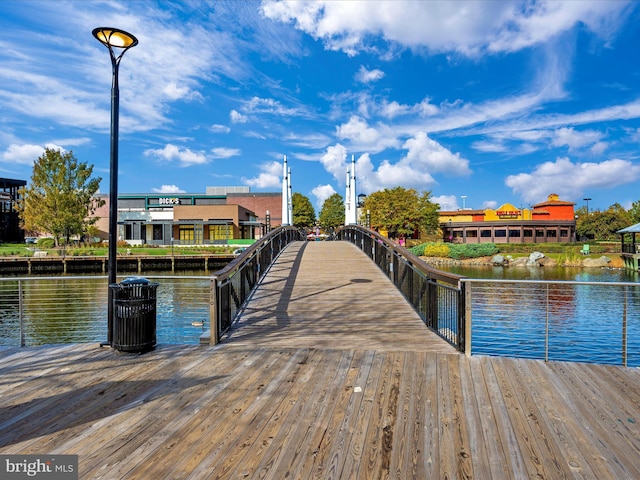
(584, 322)
(74, 309)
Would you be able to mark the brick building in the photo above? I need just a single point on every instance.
(221, 216)
(552, 221)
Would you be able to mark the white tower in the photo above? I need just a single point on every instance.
(351, 206)
(286, 201)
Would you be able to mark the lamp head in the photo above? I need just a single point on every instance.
(114, 38)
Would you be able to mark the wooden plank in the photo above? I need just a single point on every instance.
(316, 427)
(290, 441)
(558, 411)
(461, 441)
(502, 415)
(606, 433)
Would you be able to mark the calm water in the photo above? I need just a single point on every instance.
(70, 310)
(506, 321)
(581, 322)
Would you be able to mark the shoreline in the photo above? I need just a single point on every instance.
(614, 262)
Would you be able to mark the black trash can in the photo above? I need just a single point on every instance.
(134, 315)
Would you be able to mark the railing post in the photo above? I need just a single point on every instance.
(624, 329)
(21, 313)
(466, 294)
(546, 329)
(214, 317)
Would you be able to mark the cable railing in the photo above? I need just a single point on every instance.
(591, 322)
(73, 309)
(437, 296)
(232, 285)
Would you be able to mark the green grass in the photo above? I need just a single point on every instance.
(22, 250)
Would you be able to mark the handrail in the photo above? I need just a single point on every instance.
(551, 319)
(232, 285)
(438, 297)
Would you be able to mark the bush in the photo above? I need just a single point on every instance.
(458, 251)
(46, 243)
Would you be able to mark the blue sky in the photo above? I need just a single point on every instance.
(480, 102)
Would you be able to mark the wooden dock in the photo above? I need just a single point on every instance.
(358, 406)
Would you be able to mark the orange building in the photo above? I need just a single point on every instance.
(552, 221)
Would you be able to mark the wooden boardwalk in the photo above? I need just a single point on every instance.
(249, 409)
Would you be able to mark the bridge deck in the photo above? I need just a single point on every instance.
(331, 295)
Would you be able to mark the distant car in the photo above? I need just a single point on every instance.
(31, 240)
(238, 251)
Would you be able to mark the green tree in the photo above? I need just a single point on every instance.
(332, 213)
(60, 200)
(599, 225)
(304, 215)
(401, 211)
(634, 212)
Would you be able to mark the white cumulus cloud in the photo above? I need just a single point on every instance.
(185, 156)
(570, 180)
(269, 177)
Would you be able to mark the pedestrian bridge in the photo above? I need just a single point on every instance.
(361, 293)
(330, 295)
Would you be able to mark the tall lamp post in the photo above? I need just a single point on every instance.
(113, 38)
(587, 200)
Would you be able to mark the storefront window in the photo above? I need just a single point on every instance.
(186, 233)
(220, 232)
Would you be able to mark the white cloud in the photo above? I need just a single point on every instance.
(368, 76)
(489, 147)
(334, 161)
(269, 177)
(427, 154)
(322, 192)
(26, 154)
(570, 180)
(489, 204)
(267, 105)
(220, 128)
(366, 138)
(446, 202)
(237, 117)
(222, 152)
(168, 189)
(185, 156)
(574, 139)
(466, 27)
(174, 92)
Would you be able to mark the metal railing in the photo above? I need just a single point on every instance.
(73, 309)
(232, 286)
(593, 322)
(437, 296)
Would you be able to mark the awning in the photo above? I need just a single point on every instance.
(632, 229)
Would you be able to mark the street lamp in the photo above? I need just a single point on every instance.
(123, 41)
(587, 200)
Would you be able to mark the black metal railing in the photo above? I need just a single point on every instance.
(232, 286)
(437, 296)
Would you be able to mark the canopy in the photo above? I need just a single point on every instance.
(632, 229)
